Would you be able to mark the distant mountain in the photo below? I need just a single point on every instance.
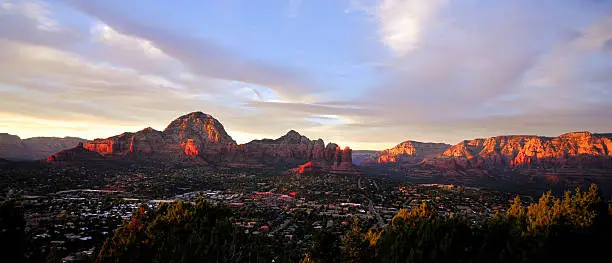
(575, 149)
(200, 137)
(408, 152)
(14, 148)
(359, 156)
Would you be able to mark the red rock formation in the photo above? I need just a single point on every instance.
(343, 160)
(147, 142)
(386, 159)
(572, 149)
(289, 146)
(207, 134)
(76, 154)
(194, 134)
(307, 167)
(408, 152)
(200, 135)
(191, 148)
(201, 127)
(295, 148)
(115, 146)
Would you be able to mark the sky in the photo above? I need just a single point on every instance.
(363, 73)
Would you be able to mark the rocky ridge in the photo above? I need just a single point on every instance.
(200, 136)
(14, 148)
(575, 149)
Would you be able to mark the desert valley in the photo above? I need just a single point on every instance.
(344, 131)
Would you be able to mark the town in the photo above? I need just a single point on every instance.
(73, 217)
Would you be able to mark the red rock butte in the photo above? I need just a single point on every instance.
(200, 136)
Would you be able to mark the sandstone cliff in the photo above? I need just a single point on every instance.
(335, 160)
(408, 152)
(199, 136)
(14, 148)
(575, 149)
(77, 154)
(293, 148)
(194, 134)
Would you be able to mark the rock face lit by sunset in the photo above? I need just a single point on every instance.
(311, 131)
(368, 74)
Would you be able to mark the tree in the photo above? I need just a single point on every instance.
(12, 232)
(325, 248)
(355, 248)
(182, 232)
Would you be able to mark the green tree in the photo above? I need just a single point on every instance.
(355, 248)
(181, 232)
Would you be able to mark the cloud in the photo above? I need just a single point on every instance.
(404, 22)
(32, 22)
(130, 75)
(440, 71)
(202, 56)
(53, 84)
(491, 68)
(35, 11)
(46, 78)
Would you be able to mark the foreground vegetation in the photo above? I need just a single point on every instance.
(182, 232)
(576, 226)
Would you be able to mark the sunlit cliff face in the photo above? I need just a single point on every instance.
(201, 138)
(573, 149)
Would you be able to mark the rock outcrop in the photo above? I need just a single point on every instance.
(293, 148)
(191, 135)
(200, 136)
(200, 132)
(343, 160)
(78, 154)
(14, 148)
(114, 146)
(408, 152)
(575, 149)
(336, 160)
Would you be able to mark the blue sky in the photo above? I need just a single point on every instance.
(363, 73)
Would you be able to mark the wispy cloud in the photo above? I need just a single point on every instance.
(437, 71)
(202, 56)
(404, 23)
(457, 63)
(131, 74)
